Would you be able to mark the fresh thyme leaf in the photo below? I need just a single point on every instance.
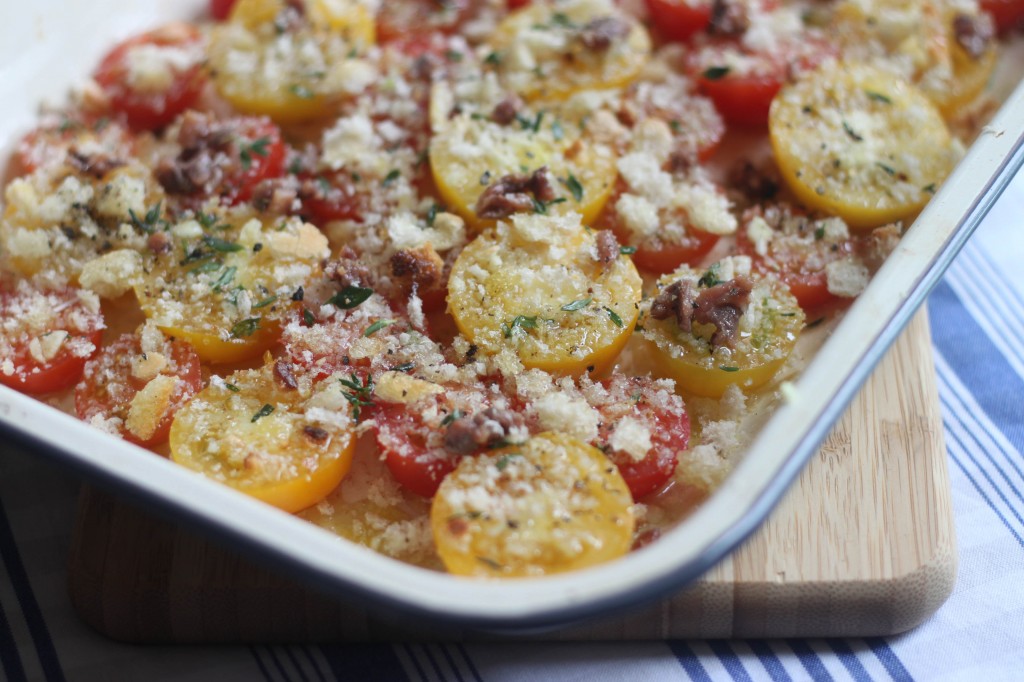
(819, 233)
(451, 417)
(404, 367)
(265, 302)
(376, 327)
(247, 150)
(856, 137)
(208, 266)
(557, 131)
(148, 223)
(542, 206)
(390, 178)
(232, 387)
(614, 317)
(494, 59)
(307, 317)
(359, 395)
(264, 411)
(350, 297)
(877, 97)
(578, 304)
(245, 328)
(453, 55)
(714, 73)
(575, 188)
(505, 460)
(726, 368)
(627, 250)
(222, 245)
(709, 278)
(519, 322)
(888, 169)
(301, 91)
(224, 279)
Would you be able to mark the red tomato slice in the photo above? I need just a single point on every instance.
(678, 20)
(742, 100)
(418, 450)
(1007, 14)
(798, 252)
(333, 196)
(408, 19)
(662, 413)
(46, 337)
(58, 135)
(114, 377)
(223, 159)
(405, 441)
(154, 77)
(221, 9)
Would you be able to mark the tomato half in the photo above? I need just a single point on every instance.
(408, 19)
(678, 20)
(152, 78)
(1007, 14)
(46, 337)
(797, 249)
(221, 9)
(224, 159)
(333, 196)
(639, 405)
(113, 380)
(404, 439)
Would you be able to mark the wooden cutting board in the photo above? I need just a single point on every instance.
(862, 545)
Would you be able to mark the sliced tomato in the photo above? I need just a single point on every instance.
(743, 97)
(1007, 14)
(114, 378)
(665, 257)
(410, 19)
(797, 249)
(221, 9)
(742, 100)
(224, 159)
(418, 439)
(639, 404)
(154, 77)
(333, 196)
(46, 337)
(678, 20)
(60, 134)
(404, 439)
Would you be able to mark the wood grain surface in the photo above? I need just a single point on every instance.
(862, 545)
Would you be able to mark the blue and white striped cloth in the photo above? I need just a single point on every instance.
(977, 315)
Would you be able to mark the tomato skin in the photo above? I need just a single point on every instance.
(221, 9)
(1007, 14)
(333, 196)
(669, 426)
(678, 20)
(151, 110)
(108, 385)
(69, 314)
(408, 19)
(667, 257)
(238, 154)
(742, 100)
(417, 467)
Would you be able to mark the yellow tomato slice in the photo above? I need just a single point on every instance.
(230, 294)
(549, 505)
(860, 143)
(551, 50)
(470, 153)
(60, 221)
(767, 333)
(535, 287)
(268, 59)
(288, 447)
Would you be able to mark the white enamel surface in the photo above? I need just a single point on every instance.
(48, 45)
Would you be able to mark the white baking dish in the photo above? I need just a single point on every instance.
(47, 46)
